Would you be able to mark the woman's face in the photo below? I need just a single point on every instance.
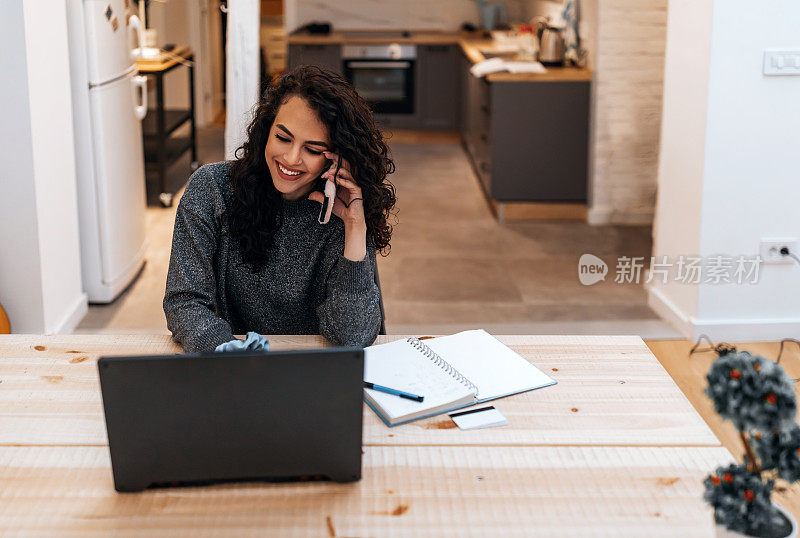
(294, 149)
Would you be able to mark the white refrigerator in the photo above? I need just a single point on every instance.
(109, 102)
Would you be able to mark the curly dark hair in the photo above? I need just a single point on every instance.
(255, 213)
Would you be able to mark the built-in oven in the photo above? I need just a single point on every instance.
(383, 75)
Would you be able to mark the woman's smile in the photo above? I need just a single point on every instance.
(286, 173)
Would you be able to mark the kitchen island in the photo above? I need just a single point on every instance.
(527, 135)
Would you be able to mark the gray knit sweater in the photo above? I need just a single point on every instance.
(307, 286)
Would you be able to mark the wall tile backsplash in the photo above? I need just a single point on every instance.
(391, 14)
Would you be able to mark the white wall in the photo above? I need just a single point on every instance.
(678, 221)
(19, 253)
(729, 172)
(544, 8)
(40, 281)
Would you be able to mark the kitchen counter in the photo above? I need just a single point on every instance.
(471, 44)
(472, 47)
(422, 37)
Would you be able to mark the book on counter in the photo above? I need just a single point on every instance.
(451, 372)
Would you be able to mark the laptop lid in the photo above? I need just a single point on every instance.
(233, 416)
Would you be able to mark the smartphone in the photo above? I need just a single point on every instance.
(329, 191)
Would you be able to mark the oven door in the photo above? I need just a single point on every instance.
(386, 85)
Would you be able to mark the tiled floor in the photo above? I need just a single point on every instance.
(452, 265)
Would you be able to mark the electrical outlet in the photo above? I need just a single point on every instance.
(770, 250)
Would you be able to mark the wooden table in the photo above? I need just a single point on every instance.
(614, 448)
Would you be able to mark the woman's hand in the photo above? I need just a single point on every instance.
(348, 206)
(349, 203)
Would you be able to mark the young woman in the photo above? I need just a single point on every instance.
(248, 251)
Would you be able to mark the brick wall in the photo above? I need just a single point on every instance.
(629, 75)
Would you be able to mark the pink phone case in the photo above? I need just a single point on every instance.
(327, 204)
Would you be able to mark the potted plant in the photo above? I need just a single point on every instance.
(758, 397)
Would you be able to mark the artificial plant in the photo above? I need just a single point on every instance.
(758, 397)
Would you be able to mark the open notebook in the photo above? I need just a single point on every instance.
(450, 372)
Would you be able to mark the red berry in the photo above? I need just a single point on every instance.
(749, 495)
(757, 366)
(736, 374)
(771, 399)
(715, 480)
(727, 477)
(758, 436)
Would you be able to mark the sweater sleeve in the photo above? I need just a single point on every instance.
(350, 313)
(190, 298)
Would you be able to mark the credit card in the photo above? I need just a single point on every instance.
(481, 417)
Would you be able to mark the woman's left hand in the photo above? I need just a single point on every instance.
(349, 202)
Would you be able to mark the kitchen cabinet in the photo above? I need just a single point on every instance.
(327, 56)
(540, 141)
(528, 140)
(438, 85)
(475, 122)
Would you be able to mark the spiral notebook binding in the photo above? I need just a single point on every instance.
(443, 364)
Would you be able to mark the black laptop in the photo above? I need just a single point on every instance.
(204, 418)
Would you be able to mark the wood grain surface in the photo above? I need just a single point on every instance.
(610, 391)
(562, 467)
(405, 491)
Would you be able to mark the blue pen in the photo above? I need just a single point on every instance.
(387, 390)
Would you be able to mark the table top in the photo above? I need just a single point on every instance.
(613, 448)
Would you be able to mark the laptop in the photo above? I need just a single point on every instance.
(204, 418)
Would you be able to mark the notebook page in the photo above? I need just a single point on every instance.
(493, 367)
(400, 366)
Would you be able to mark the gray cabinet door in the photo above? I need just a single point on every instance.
(540, 141)
(463, 119)
(325, 56)
(438, 85)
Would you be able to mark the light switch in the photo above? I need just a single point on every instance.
(782, 62)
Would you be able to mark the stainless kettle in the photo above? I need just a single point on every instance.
(551, 46)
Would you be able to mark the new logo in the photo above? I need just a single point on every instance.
(591, 269)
